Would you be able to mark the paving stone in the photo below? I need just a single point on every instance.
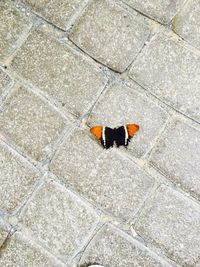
(162, 11)
(111, 247)
(30, 123)
(3, 232)
(171, 222)
(76, 157)
(119, 193)
(13, 24)
(110, 34)
(120, 105)
(5, 81)
(17, 178)
(177, 155)
(19, 251)
(58, 220)
(187, 23)
(62, 73)
(170, 71)
(57, 12)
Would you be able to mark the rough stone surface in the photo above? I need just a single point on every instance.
(58, 220)
(187, 23)
(110, 34)
(119, 193)
(170, 71)
(3, 232)
(77, 151)
(112, 248)
(62, 73)
(5, 81)
(24, 118)
(177, 156)
(162, 11)
(13, 24)
(130, 107)
(57, 12)
(171, 221)
(16, 179)
(21, 252)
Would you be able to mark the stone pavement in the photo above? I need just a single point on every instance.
(65, 66)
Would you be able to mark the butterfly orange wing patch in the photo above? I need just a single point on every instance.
(97, 131)
(132, 129)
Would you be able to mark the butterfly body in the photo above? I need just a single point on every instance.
(119, 136)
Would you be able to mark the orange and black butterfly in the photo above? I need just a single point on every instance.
(119, 136)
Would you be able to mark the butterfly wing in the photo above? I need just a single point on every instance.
(123, 134)
(104, 135)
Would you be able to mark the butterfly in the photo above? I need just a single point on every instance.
(119, 135)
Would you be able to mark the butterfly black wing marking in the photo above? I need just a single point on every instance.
(107, 137)
(120, 136)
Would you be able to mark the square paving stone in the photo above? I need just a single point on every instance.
(162, 11)
(57, 12)
(187, 23)
(30, 123)
(170, 71)
(77, 156)
(16, 179)
(62, 73)
(119, 193)
(21, 252)
(111, 247)
(58, 220)
(171, 222)
(13, 25)
(5, 81)
(177, 155)
(110, 34)
(121, 105)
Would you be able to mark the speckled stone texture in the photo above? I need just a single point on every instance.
(5, 81)
(119, 193)
(58, 220)
(168, 69)
(24, 118)
(171, 222)
(16, 179)
(3, 232)
(13, 24)
(187, 23)
(111, 247)
(78, 150)
(177, 155)
(110, 34)
(130, 107)
(70, 79)
(57, 12)
(19, 251)
(162, 11)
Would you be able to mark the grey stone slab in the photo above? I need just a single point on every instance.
(5, 81)
(162, 11)
(77, 156)
(19, 251)
(13, 24)
(171, 222)
(177, 155)
(16, 179)
(30, 123)
(169, 69)
(111, 247)
(58, 220)
(3, 232)
(60, 72)
(94, 176)
(110, 34)
(57, 12)
(121, 105)
(187, 23)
